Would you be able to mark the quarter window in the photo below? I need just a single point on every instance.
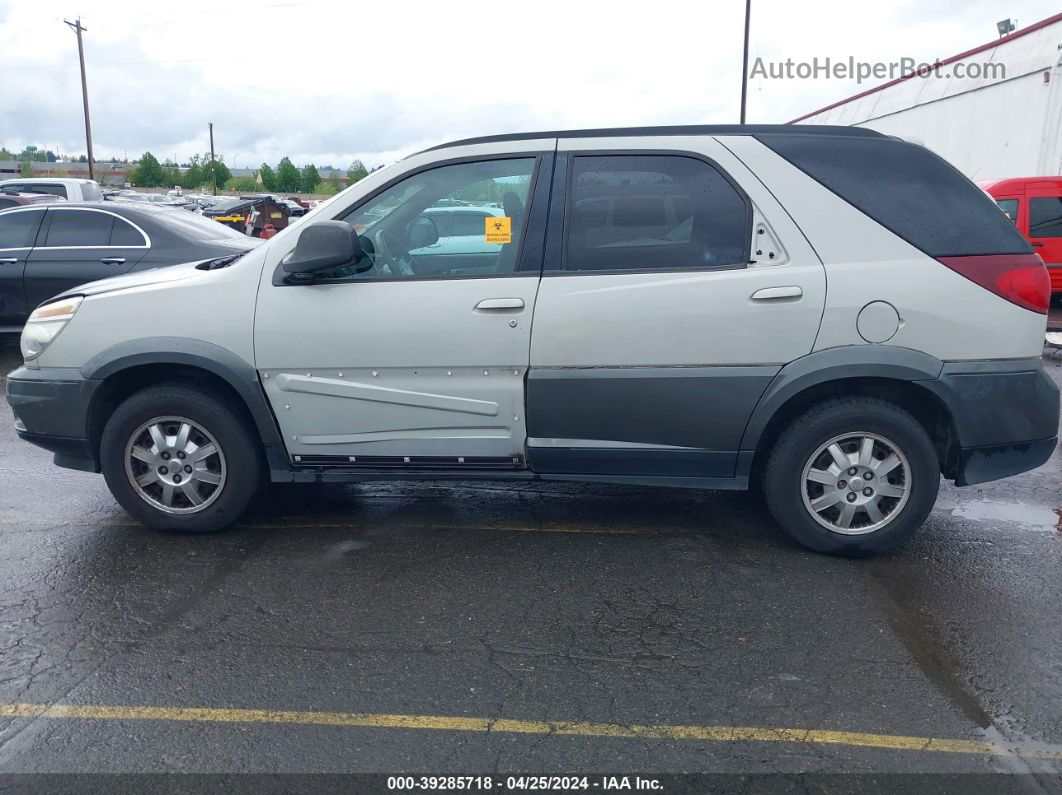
(124, 233)
(19, 229)
(1045, 217)
(653, 212)
(435, 223)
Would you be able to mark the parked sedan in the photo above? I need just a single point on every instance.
(17, 199)
(46, 249)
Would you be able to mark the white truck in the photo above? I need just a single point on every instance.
(74, 190)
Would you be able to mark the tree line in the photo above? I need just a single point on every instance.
(285, 177)
(148, 172)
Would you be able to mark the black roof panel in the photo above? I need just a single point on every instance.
(685, 129)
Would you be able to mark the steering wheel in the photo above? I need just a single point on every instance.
(399, 262)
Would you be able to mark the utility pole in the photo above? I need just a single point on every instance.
(745, 60)
(213, 171)
(78, 28)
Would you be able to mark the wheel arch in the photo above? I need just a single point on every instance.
(898, 375)
(129, 367)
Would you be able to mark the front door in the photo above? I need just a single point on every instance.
(1045, 230)
(79, 245)
(403, 360)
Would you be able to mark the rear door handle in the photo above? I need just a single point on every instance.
(113, 260)
(775, 293)
(497, 304)
(1037, 244)
(8, 260)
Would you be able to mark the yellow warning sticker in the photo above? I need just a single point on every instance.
(499, 229)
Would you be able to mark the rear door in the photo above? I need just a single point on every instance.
(18, 232)
(78, 245)
(674, 289)
(1045, 229)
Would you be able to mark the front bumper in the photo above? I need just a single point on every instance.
(51, 408)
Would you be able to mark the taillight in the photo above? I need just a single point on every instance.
(1020, 278)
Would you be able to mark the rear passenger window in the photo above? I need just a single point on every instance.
(19, 229)
(649, 212)
(1045, 217)
(79, 228)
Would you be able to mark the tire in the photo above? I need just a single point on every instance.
(803, 479)
(221, 484)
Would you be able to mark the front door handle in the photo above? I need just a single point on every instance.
(498, 304)
(1037, 244)
(776, 293)
(8, 260)
(113, 260)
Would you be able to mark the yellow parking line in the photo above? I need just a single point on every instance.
(509, 726)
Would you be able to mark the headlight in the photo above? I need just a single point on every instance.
(45, 324)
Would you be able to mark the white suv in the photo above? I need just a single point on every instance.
(837, 315)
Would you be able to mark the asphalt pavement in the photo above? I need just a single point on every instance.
(474, 627)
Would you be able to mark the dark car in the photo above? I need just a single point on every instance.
(260, 209)
(16, 199)
(46, 249)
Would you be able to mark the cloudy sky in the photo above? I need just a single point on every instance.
(326, 81)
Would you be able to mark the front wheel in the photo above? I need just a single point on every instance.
(851, 476)
(180, 459)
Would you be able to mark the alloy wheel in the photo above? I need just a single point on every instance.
(856, 483)
(175, 465)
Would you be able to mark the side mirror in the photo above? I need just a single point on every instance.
(422, 232)
(324, 245)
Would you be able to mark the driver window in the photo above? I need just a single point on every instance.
(465, 219)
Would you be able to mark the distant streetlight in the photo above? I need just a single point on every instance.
(745, 60)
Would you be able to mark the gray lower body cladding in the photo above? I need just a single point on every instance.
(666, 426)
(659, 421)
(1005, 413)
(51, 410)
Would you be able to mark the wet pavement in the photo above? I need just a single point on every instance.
(538, 604)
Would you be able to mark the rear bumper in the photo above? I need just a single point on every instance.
(1005, 416)
(51, 411)
(982, 464)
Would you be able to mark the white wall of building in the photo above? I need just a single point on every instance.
(988, 127)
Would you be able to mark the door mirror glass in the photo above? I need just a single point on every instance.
(324, 245)
(422, 233)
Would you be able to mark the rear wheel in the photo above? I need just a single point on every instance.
(180, 459)
(853, 475)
